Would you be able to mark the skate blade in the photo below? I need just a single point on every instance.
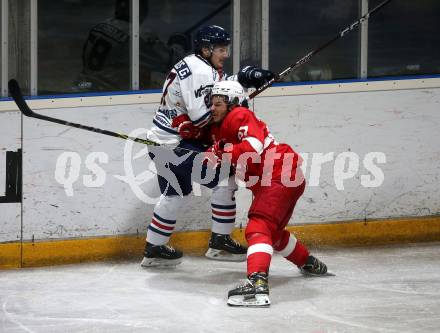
(159, 262)
(221, 255)
(259, 301)
(308, 274)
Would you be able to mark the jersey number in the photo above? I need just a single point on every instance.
(170, 79)
(182, 70)
(242, 132)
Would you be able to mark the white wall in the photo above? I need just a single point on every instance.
(402, 124)
(113, 207)
(10, 140)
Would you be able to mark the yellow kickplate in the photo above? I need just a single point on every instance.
(59, 252)
(353, 233)
(374, 232)
(10, 255)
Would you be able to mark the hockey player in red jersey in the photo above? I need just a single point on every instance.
(272, 172)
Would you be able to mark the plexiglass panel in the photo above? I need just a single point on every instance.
(167, 30)
(83, 46)
(298, 27)
(404, 38)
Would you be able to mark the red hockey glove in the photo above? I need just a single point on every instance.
(214, 153)
(185, 127)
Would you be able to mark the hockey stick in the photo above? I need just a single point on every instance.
(309, 55)
(16, 94)
(206, 18)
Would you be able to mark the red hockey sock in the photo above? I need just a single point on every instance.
(292, 249)
(299, 255)
(259, 253)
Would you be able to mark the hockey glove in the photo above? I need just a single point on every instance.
(186, 129)
(253, 77)
(214, 153)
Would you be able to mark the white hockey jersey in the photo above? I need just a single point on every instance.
(185, 91)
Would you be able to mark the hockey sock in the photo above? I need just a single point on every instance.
(223, 207)
(223, 218)
(292, 249)
(259, 253)
(164, 219)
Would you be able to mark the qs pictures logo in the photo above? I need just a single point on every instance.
(140, 173)
(71, 170)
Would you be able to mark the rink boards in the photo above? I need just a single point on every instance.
(370, 148)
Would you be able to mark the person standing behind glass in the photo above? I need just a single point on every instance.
(106, 53)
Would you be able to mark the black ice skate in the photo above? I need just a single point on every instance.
(161, 256)
(314, 267)
(254, 292)
(225, 248)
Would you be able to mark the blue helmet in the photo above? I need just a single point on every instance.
(209, 36)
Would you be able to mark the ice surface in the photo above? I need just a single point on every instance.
(386, 289)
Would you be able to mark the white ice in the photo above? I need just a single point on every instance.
(381, 289)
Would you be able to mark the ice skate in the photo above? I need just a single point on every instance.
(161, 256)
(225, 248)
(254, 292)
(314, 267)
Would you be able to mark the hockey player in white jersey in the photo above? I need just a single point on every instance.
(183, 113)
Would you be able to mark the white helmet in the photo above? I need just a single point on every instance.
(232, 90)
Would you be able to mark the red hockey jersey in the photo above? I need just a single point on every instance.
(254, 151)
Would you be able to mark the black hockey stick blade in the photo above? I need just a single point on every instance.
(15, 91)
